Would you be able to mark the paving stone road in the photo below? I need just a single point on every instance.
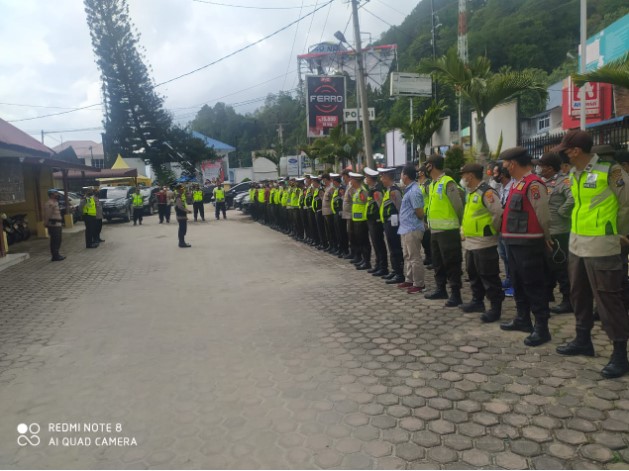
(250, 350)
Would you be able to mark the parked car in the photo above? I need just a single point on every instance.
(245, 204)
(208, 193)
(238, 199)
(150, 199)
(116, 202)
(235, 190)
(74, 200)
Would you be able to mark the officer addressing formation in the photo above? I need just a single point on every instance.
(566, 226)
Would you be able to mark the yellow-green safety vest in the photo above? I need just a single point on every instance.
(252, 194)
(359, 209)
(219, 195)
(476, 217)
(197, 196)
(138, 201)
(284, 197)
(90, 206)
(595, 211)
(387, 207)
(261, 195)
(441, 214)
(335, 195)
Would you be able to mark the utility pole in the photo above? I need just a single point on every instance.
(584, 25)
(434, 45)
(462, 52)
(42, 136)
(360, 82)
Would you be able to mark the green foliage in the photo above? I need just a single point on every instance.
(188, 151)
(337, 148)
(164, 175)
(616, 73)
(424, 126)
(455, 159)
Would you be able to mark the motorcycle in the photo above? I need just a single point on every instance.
(15, 227)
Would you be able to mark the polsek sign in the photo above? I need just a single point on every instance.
(326, 101)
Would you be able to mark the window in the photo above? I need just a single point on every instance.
(543, 123)
(98, 163)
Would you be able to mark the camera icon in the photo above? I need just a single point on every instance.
(28, 434)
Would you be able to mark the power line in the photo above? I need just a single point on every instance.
(251, 7)
(394, 9)
(245, 47)
(376, 16)
(36, 106)
(292, 48)
(54, 114)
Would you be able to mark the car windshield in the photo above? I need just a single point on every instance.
(112, 193)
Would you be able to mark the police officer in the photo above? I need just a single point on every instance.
(346, 215)
(359, 221)
(219, 201)
(98, 221)
(525, 231)
(328, 215)
(252, 200)
(600, 191)
(317, 213)
(87, 208)
(389, 217)
(424, 184)
(137, 202)
(376, 227)
(340, 224)
(197, 203)
(445, 211)
(481, 223)
(560, 204)
(54, 223)
(309, 220)
(181, 212)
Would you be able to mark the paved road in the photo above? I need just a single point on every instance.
(250, 350)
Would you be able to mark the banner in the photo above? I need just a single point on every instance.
(326, 101)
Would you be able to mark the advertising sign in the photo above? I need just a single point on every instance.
(592, 99)
(352, 114)
(410, 84)
(326, 101)
(607, 45)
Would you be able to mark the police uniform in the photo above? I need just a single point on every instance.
(328, 216)
(359, 223)
(137, 202)
(375, 225)
(181, 211)
(54, 223)
(346, 215)
(88, 211)
(317, 213)
(525, 225)
(197, 203)
(98, 222)
(425, 189)
(340, 224)
(600, 192)
(389, 216)
(480, 226)
(219, 201)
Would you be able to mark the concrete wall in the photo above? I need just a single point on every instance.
(503, 118)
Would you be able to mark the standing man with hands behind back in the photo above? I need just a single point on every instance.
(54, 224)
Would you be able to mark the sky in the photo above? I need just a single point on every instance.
(47, 64)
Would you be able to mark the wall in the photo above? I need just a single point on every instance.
(395, 148)
(502, 119)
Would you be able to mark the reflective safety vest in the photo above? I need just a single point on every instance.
(138, 200)
(197, 196)
(284, 194)
(277, 197)
(595, 211)
(299, 197)
(261, 195)
(90, 206)
(219, 194)
(519, 220)
(316, 200)
(441, 213)
(387, 208)
(373, 212)
(272, 195)
(477, 220)
(360, 205)
(337, 201)
(308, 197)
(252, 194)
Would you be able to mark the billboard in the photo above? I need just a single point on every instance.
(326, 101)
(410, 84)
(607, 45)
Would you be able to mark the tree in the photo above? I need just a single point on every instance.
(134, 115)
(423, 127)
(482, 88)
(336, 148)
(615, 73)
(188, 151)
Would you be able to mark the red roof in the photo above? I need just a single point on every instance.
(13, 139)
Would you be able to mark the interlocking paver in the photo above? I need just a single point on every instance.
(372, 383)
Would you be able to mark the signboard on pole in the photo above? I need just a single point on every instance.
(592, 99)
(352, 114)
(607, 45)
(326, 101)
(409, 84)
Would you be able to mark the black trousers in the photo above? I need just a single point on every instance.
(341, 233)
(320, 222)
(183, 228)
(164, 212)
(351, 236)
(89, 222)
(558, 264)
(426, 245)
(55, 240)
(220, 207)
(312, 223)
(447, 257)
(330, 231)
(395, 248)
(483, 268)
(528, 265)
(138, 213)
(361, 237)
(376, 234)
(197, 206)
(98, 227)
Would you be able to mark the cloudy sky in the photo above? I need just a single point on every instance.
(47, 64)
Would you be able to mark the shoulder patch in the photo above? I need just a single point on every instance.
(535, 192)
(566, 181)
(616, 177)
(489, 196)
(362, 197)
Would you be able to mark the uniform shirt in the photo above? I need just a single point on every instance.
(180, 209)
(346, 213)
(603, 246)
(396, 198)
(327, 200)
(171, 196)
(412, 200)
(52, 214)
(504, 192)
(454, 195)
(99, 208)
(538, 197)
(560, 203)
(493, 205)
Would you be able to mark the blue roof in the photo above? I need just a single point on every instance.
(218, 145)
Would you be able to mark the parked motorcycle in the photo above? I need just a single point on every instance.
(15, 227)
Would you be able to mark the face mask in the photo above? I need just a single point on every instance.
(463, 184)
(538, 170)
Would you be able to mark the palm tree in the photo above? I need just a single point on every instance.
(615, 73)
(423, 127)
(336, 146)
(483, 89)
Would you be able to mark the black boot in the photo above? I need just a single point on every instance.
(475, 305)
(381, 272)
(389, 276)
(356, 261)
(581, 345)
(396, 280)
(439, 293)
(539, 336)
(363, 266)
(618, 364)
(521, 322)
(562, 308)
(373, 270)
(455, 298)
(493, 314)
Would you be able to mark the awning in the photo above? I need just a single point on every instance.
(607, 121)
(96, 173)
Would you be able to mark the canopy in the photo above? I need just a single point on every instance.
(120, 164)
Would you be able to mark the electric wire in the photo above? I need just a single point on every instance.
(292, 48)
(252, 7)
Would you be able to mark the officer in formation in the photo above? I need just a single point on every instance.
(181, 212)
(219, 201)
(54, 223)
(137, 202)
(197, 203)
(374, 224)
(87, 208)
(98, 222)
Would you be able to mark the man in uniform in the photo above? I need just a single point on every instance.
(481, 223)
(309, 222)
(87, 208)
(252, 200)
(346, 214)
(317, 213)
(328, 215)
(504, 181)
(525, 231)
(340, 224)
(98, 221)
(390, 217)
(600, 192)
(54, 224)
(376, 227)
(181, 211)
(162, 204)
(261, 200)
(219, 201)
(424, 184)
(197, 203)
(560, 204)
(359, 221)
(445, 211)
(137, 202)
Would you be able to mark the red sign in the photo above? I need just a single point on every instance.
(592, 99)
(598, 103)
(326, 101)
